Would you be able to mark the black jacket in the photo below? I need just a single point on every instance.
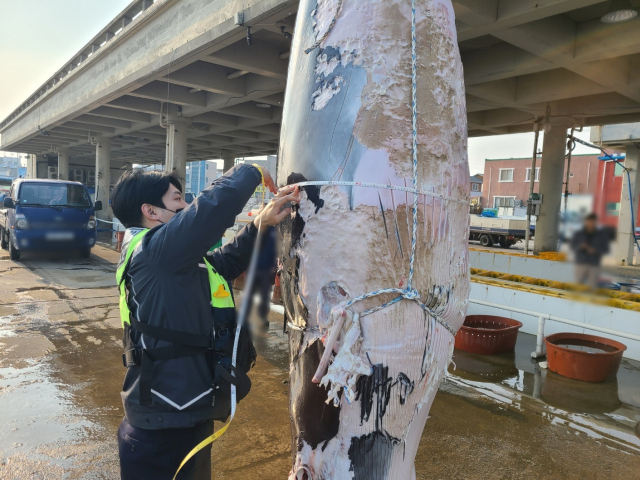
(169, 288)
(598, 240)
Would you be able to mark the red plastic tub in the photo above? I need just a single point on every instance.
(583, 357)
(487, 335)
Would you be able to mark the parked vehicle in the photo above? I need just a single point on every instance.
(489, 231)
(42, 214)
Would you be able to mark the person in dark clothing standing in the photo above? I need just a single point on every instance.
(179, 316)
(266, 273)
(589, 245)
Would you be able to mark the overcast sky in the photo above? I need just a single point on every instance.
(38, 36)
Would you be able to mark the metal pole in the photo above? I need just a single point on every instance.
(566, 183)
(540, 339)
(566, 187)
(532, 177)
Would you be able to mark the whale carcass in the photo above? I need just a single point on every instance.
(375, 274)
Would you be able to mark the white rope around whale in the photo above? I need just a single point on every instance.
(415, 191)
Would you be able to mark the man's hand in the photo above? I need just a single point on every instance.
(274, 212)
(268, 180)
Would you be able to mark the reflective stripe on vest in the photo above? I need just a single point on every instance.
(220, 293)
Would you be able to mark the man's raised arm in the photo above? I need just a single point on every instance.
(193, 231)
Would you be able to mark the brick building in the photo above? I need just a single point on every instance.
(506, 182)
(611, 181)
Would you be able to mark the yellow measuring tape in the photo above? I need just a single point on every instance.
(203, 444)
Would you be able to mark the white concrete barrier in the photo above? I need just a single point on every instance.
(589, 314)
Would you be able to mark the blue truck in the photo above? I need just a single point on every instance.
(41, 214)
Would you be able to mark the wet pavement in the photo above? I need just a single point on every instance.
(496, 417)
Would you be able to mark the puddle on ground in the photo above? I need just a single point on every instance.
(37, 412)
(608, 410)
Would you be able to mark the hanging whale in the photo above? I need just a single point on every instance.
(375, 274)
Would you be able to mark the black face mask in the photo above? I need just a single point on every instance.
(169, 210)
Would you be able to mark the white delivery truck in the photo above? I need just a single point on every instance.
(489, 231)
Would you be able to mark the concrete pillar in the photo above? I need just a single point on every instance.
(229, 161)
(103, 177)
(32, 166)
(626, 244)
(176, 156)
(63, 163)
(551, 178)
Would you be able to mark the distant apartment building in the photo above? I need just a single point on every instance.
(507, 182)
(200, 175)
(11, 167)
(476, 190)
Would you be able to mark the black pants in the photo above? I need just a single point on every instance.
(156, 454)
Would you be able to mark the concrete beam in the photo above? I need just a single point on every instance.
(150, 135)
(91, 127)
(485, 17)
(220, 139)
(612, 119)
(120, 114)
(108, 122)
(592, 105)
(209, 77)
(135, 104)
(270, 128)
(500, 61)
(546, 86)
(596, 40)
(499, 118)
(555, 39)
(244, 134)
(168, 93)
(216, 118)
(84, 132)
(71, 133)
(250, 110)
(261, 58)
(475, 13)
(277, 99)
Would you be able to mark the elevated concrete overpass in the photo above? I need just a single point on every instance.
(173, 81)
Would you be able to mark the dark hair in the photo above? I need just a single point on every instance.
(591, 216)
(137, 187)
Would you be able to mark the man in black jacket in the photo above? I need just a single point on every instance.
(589, 245)
(178, 312)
